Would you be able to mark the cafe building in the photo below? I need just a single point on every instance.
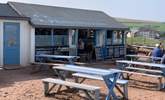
(27, 30)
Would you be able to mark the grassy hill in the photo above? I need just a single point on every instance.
(135, 24)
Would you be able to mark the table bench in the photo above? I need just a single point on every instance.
(149, 58)
(159, 77)
(41, 64)
(47, 64)
(146, 69)
(88, 89)
(105, 74)
(121, 82)
(58, 58)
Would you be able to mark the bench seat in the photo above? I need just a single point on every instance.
(143, 74)
(159, 77)
(47, 64)
(145, 70)
(38, 66)
(121, 82)
(84, 87)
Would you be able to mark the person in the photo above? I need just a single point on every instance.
(163, 59)
(80, 44)
(161, 46)
(157, 52)
(89, 50)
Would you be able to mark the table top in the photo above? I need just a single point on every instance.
(87, 70)
(148, 47)
(141, 63)
(142, 56)
(57, 56)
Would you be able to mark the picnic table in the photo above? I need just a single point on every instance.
(45, 57)
(105, 74)
(162, 66)
(142, 56)
(133, 65)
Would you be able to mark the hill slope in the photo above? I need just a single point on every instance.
(133, 23)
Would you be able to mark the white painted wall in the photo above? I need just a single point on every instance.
(32, 42)
(1, 43)
(25, 42)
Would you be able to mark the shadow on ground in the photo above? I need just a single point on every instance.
(9, 77)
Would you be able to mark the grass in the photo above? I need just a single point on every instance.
(143, 41)
(155, 26)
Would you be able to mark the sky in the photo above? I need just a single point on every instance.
(132, 9)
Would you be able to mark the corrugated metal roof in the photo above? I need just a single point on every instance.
(65, 17)
(7, 12)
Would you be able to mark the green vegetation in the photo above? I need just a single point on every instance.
(155, 26)
(136, 24)
(143, 41)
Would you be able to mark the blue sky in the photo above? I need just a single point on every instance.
(135, 9)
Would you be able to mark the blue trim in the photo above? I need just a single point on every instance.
(123, 37)
(52, 37)
(105, 38)
(11, 48)
(94, 39)
(113, 37)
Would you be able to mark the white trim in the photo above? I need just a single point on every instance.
(25, 30)
(1, 43)
(32, 33)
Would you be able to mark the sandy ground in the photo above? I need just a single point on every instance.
(21, 84)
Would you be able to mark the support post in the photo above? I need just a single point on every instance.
(52, 40)
(46, 88)
(125, 89)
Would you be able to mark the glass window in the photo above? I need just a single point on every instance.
(109, 37)
(118, 37)
(61, 37)
(43, 37)
(73, 38)
(100, 38)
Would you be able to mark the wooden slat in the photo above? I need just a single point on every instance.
(129, 72)
(48, 64)
(146, 70)
(71, 84)
(141, 63)
(119, 81)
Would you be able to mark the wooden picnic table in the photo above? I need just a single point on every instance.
(44, 57)
(122, 64)
(143, 56)
(162, 66)
(106, 74)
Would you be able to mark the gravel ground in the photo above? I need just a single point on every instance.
(21, 84)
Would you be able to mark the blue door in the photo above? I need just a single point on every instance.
(11, 50)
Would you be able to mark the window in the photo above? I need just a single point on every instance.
(109, 37)
(61, 37)
(43, 37)
(100, 38)
(118, 37)
(72, 38)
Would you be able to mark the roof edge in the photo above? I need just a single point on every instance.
(16, 18)
(78, 27)
(17, 11)
(10, 2)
